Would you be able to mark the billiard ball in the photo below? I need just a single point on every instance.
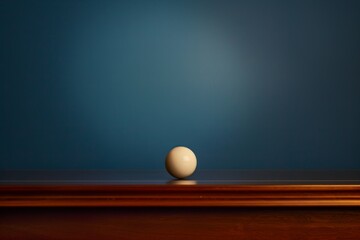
(180, 162)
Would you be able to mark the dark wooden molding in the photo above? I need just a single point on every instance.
(179, 196)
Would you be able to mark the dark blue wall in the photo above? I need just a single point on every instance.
(115, 84)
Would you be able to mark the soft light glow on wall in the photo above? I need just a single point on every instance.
(115, 84)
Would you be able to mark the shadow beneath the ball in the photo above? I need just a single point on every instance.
(182, 182)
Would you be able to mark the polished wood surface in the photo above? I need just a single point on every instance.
(179, 195)
(149, 205)
(180, 223)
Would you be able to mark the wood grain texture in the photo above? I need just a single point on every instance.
(180, 223)
(177, 195)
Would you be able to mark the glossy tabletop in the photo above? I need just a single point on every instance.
(158, 177)
(225, 188)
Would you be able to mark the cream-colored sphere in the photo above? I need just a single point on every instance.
(180, 162)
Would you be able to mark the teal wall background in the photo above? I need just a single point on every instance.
(115, 84)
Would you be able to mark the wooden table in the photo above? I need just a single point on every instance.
(210, 205)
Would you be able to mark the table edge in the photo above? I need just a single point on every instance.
(179, 195)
